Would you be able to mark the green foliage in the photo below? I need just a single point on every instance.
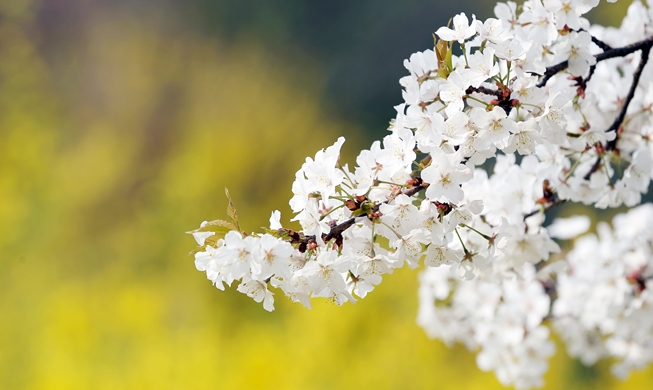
(444, 55)
(231, 212)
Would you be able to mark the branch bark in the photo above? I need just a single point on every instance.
(631, 93)
(340, 228)
(548, 207)
(615, 126)
(607, 54)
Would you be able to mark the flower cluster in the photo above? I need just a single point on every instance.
(502, 320)
(563, 109)
(604, 307)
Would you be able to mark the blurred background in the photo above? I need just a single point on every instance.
(121, 122)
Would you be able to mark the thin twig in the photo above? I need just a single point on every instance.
(611, 145)
(595, 167)
(610, 53)
(631, 94)
(589, 76)
(485, 90)
(340, 228)
(604, 46)
(548, 207)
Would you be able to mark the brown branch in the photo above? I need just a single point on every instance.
(595, 167)
(607, 54)
(615, 126)
(631, 94)
(604, 46)
(502, 96)
(552, 71)
(554, 203)
(340, 228)
(485, 90)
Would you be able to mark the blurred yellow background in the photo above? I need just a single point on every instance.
(115, 144)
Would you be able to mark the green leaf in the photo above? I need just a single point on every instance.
(218, 227)
(448, 59)
(231, 210)
(440, 50)
(275, 233)
(211, 241)
(445, 63)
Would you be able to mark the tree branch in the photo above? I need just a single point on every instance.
(631, 93)
(555, 203)
(484, 90)
(340, 228)
(604, 46)
(611, 145)
(595, 167)
(607, 54)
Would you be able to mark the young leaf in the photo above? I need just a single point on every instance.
(440, 50)
(218, 227)
(209, 241)
(448, 58)
(231, 210)
(443, 52)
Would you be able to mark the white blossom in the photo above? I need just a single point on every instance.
(461, 31)
(493, 275)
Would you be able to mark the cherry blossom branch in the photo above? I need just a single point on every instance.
(595, 167)
(631, 94)
(607, 54)
(604, 46)
(502, 96)
(484, 90)
(582, 82)
(337, 230)
(611, 145)
(589, 76)
(429, 146)
(555, 203)
(548, 200)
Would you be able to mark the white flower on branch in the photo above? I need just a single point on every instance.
(462, 29)
(574, 102)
